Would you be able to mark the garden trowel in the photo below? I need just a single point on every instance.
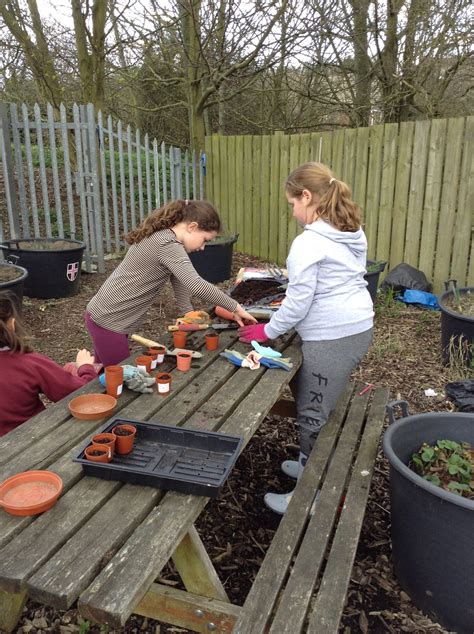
(153, 344)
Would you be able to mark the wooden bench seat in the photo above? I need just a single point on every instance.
(302, 584)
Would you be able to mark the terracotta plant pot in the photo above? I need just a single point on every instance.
(179, 338)
(144, 363)
(183, 360)
(212, 341)
(158, 354)
(114, 380)
(105, 440)
(98, 453)
(124, 438)
(163, 383)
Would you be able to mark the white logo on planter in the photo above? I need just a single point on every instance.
(72, 271)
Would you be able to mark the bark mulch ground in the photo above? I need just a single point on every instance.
(236, 527)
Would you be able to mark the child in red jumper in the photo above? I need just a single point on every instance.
(24, 375)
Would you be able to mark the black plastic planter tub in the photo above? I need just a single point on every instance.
(372, 277)
(16, 284)
(432, 529)
(457, 330)
(52, 272)
(214, 263)
(169, 457)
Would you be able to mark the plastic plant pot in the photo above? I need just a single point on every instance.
(212, 341)
(106, 440)
(144, 363)
(114, 380)
(163, 383)
(183, 361)
(179, 338)
(124, 438)
(98, 453)
(158, 352)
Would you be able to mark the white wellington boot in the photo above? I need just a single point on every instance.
(278, 502)
(293, 468)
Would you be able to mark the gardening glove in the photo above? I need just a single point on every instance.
(283, 363)
(252, 333)
(141, 383)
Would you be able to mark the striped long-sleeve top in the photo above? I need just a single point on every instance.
(123, 299)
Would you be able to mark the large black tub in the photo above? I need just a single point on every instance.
(53, 265)
(214, 263)
(457, 330)
(432, 529)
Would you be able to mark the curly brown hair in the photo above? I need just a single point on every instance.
(14, 339)
(335, 204)
(170, 214)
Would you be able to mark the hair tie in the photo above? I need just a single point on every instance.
(331, 180)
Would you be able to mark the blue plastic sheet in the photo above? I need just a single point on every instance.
(422, 299)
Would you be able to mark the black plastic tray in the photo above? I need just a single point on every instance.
(169, 457)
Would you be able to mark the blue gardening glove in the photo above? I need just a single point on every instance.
(254, 332)
(129, 372)
(283, 363)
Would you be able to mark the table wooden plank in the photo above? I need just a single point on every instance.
(114, 594)
(291, 612)
(326, 611)
(70, 570)
(274, 570)
(41, 539)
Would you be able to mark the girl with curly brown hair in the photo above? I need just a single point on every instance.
(158, 253)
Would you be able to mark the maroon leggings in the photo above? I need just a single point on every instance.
(110, 348)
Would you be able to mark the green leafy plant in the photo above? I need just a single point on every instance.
(447, 464)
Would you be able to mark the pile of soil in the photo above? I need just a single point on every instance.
(250, 291)
(462, 303)
(44, 245)
(236, 527)
(9, 273)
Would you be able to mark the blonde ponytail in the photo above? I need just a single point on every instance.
(334, 200)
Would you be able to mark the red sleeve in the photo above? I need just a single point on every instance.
(56, 383)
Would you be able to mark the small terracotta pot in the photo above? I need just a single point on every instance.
(183, 360)
(158, 355)
(163, 383)
(212, 341)
(104, 453)
(105, 440)
(114, 380)
(179, 338)
(124, 444)
(144, 363)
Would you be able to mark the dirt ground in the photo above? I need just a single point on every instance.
(236, 527)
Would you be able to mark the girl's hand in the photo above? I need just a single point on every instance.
(241, 316)
(84, 357)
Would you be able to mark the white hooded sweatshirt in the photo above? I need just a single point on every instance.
(327, 296)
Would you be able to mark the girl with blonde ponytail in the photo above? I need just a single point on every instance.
(327, 302)
(158, 253)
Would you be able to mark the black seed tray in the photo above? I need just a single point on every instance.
(168, 457)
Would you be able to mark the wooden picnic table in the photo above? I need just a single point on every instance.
(104, 543)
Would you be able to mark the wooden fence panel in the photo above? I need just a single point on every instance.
(434, 177)
(255, 203)
(246, 237)
(416, 194)
(373, 192)
(449, 196)
(265, 197)
(387, 188)
(400, 201)
(275, 193)
(359, 191)
(282, 202)
(239, 187)
(464, 217)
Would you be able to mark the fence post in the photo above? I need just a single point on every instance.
(7, 160)
(95, 185)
